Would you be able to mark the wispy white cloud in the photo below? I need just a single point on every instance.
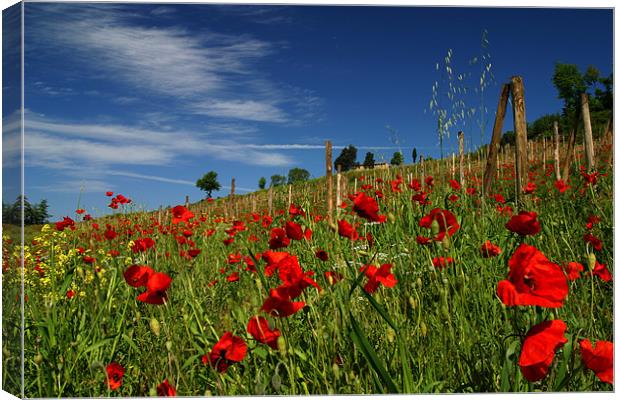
(206, 73)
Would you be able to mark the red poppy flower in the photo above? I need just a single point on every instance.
(156, 288)
(489, 249)
(442, 262)
(596, 243)
(429, 181)
(65, 223)
(278, 306)
(529, 188)
(602, 272)
(138, 275)
(471, 191)
(378, 276)
(572, 270)
(89, 259)
(561, 186)
(446, 222)
(164, 389)
(294, 210)
(322, 255)
(455, 185)
(228, 351)
(499, 198)
(70, 294)
(308, 234)
(592, 220)
(80, 211)
(333, 277)
(294, 230)
(524, 224)
(142, 244)
(278, 239)
(421, 198)
(366, 207)
(109, 194)
(193, 253)
(453, 198)
(539, 347)
(599, 359)
(115, 373)
(234, 277)
(415, 185)
(180, 213)
(345, 229)
(533, 280)
(258, 327)
(424, 241)
(266, 221)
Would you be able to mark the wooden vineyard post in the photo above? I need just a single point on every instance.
(610, 140)
(492, 157)
(328, 177)
(270, 200)
(186, 201)
(290, 194)
(587, 132)
(520, 127)
(453, 170)
(253, 203)
(159, 216)
(338, 176)
(461, 158)
(570, 146)
(544, 151)
(556, 150)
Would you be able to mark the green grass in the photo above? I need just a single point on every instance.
(435, 331)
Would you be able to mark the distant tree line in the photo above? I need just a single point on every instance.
(34, 214)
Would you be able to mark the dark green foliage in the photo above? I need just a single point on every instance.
(397, 158)
(414, 155)
(208, 183)
(369, 160)
(298, 175)
(262, 182)
(278, 180)
(347, 158)
(34, 214)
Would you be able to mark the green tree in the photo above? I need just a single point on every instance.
(347, 158)
(262, 182)
(369, 160)
(277, 180)
(570, 84)
(40, 214)
(414, 154)
(208, 183)
(397, 158)
(298, 175)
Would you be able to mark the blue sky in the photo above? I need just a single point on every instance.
(144, 99)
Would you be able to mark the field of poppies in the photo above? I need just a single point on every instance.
(419, 284)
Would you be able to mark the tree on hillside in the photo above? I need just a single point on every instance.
(347, 158)
(298, 175)
(262, 182)
(277, 180)
(414, 154)
(542, 126)
(208, 183)
(397, 158)
(369, 160)
(34, 214)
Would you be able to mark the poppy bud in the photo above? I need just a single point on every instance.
(152, 392)
(445, 243)
(169, 345)
(281, 345)
(138, 316)
(390, 334)
(413, 303)
(419, 282)
(591, 261)
(336, 370)
(155, 328)
(391, 217)
(38, 359)
(435, 227)
(423, 329)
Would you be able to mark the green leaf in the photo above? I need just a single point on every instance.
(369, 353)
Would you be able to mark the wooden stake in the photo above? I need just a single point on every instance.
(186, 201)
(270, 200)
(496, 137)
(587, 132)
(544, 145)
(290, 194)
(422, 167)
(520, 127)
(328, 177)
(453, 165)
(338, 171)
(461, 158)
(556, 150)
